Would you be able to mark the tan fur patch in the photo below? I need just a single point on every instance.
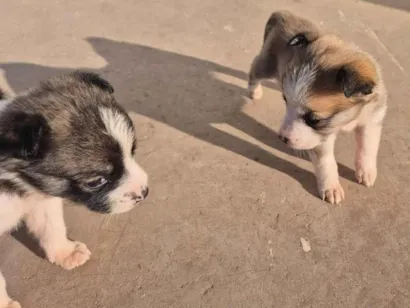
(331, 54)
(324, 106)
(364, 68)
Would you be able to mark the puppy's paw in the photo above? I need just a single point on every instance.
(332, 193)
(71, 256)
(255, 92)
(366, 174)
(12, 304)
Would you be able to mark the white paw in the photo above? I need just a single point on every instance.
(332, 193)
(71, 256)
(366, 174)
(12, 304)
(255, 92)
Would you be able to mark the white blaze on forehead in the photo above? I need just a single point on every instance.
(296, 83)
(118, 127)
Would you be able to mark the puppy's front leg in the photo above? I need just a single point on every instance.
(327, 176)
(5, 300)
(46, 222)
(367, 141)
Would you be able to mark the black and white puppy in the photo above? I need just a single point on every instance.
(66, 139)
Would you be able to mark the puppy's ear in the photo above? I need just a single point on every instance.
(357, 78)
(24, 136)
(94, 79)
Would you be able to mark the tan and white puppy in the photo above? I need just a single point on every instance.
(65, 139)
(328, 86)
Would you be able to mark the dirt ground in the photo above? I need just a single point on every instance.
(228, 203)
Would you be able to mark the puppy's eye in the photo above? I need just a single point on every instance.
(310, 120)
(284, 98)
(133, 148)
(298, 40)
(96, 182)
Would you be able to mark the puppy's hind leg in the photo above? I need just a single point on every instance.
(5, 300)
(46, 222)
(260, 70)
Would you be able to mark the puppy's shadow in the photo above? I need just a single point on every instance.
(183, 92)
(24, 237)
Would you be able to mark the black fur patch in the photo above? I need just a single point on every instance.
(327, 82)
(97, 200)
(314, 121)
(352, 83)
(24, 136)
(94, 79)
(10, 188)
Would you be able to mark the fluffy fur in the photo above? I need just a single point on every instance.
(328, 86)
(66, 139)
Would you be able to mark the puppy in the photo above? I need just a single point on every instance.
(66, 139)
(328, 86)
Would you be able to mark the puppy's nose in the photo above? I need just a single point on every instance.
(135, 197)
(284, 139)
(145, 192)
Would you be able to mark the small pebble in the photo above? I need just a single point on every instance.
(305, 245)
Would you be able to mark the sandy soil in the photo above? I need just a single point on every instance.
(228, 202)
